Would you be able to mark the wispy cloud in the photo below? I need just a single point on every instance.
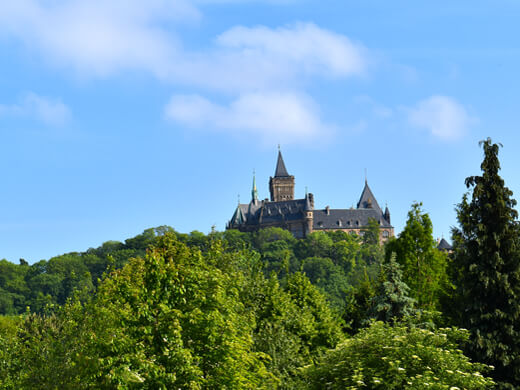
(47, 110)
(443, 116)
(273, 117)
(98, 38)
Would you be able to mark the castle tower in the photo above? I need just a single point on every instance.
(281, 186)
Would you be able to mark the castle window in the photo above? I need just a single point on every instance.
(320, 223)
(339, 223)
(386, 234)
(357, 223)
(348, 223)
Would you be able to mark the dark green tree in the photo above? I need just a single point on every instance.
(391, 302)
(424, 266)
(487, 269)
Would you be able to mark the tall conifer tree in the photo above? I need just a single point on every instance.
(487, 270)
(391, 302)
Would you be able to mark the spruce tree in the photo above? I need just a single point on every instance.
(487, 270)
(391, 301)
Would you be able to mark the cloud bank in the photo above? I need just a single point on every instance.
(98, 38)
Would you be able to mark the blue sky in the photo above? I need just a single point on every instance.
(116, 116)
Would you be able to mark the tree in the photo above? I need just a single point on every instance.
(423, 265)
(391, 302)
(487, 269)
(396, 357)
(371, 233)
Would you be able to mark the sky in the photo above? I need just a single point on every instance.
(121, 115)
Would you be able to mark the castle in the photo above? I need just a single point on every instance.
(299, 216)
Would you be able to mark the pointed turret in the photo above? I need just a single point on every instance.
(368, 200)
(281, 186)
(280, 171)
(309, 218)
(387, 214)
(308, 204)
(254, 191)
(238, 217)
(444, 246)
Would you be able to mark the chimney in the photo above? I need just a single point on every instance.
(327, 210)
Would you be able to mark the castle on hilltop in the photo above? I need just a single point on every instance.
(299, 215)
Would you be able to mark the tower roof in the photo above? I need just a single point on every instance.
(280, 171)
(254, 191)
(444, 245)
(308, 206)
(368, 200)
(238, 217)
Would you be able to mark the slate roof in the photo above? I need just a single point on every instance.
(270, 212)
(347, 218)
(368, 200)
(444, 245)
(280, 171)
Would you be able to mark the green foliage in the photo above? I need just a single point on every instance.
(291, 335)
(359, 303)
(423, 265)
(371, 233)
(10, 360)
(487, 269)
(391, 301)
(398, 357)
(178, 323)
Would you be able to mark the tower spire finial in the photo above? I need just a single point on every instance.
(254, 192)
(366, 180)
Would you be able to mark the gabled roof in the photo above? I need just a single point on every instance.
(368, 200)
(269, 212)
(280, 171)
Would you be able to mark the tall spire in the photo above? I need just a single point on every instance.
(254, 191)
(280, 171)
(368, 200)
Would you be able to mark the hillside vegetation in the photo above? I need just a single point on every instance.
(263, 310)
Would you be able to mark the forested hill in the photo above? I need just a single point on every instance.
(263, 310)
(334, 261)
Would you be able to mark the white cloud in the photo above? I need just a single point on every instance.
(303, 45)
(99, 38)
(443, 116)
(96, 36)
(275, 117)
(48, 110)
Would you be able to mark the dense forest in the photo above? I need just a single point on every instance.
(264, 310)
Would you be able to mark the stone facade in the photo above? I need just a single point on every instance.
(299, 215)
